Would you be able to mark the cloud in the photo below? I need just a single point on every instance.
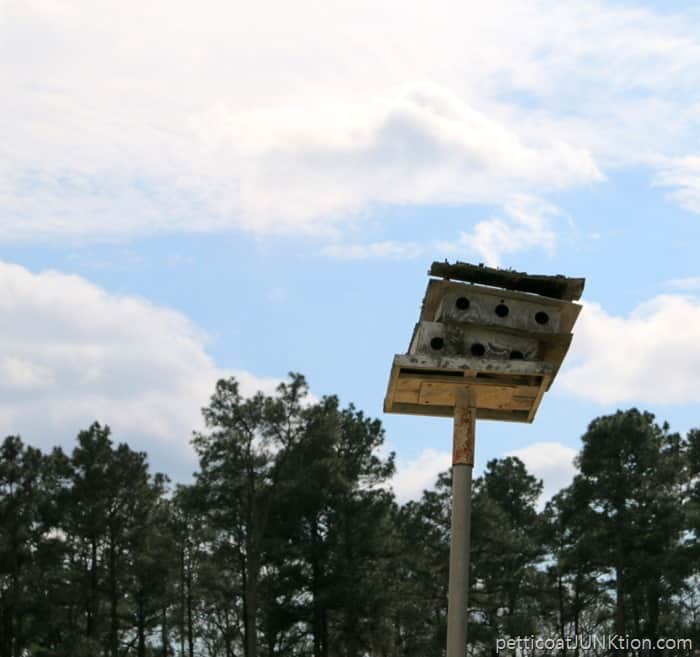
(416, 145)
(527, 225)
(389, 249)
(650, 356)
(73, 353)
(287, 170)
(414, 476)
(686, 284)
(286, 119)
(551, 462)
(682, 174)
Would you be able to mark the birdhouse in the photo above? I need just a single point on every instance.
(501, 334)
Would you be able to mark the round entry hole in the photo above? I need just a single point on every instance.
(478, 349)
(437, 343)
(502, 310)
(541, 317)
(462, 303)
(516, 355)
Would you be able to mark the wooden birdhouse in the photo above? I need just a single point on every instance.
(500, 334)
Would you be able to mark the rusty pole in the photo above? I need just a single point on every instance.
(462, 464)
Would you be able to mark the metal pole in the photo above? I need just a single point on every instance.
(462, 464)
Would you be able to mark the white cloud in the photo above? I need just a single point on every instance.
(414, 476)
(551, 462)
(277, 118)
(73, 353)
(284, 170)
(527, 225)
(688, 284)
(682, 174)
(388, 249)
(650, 356)
(419, 144)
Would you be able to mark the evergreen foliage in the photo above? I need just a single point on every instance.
(289, 542)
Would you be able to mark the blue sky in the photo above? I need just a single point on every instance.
(193, 193)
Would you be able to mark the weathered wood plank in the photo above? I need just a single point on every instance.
(437, 290)
(546, 383)
(458, 365)
(502, 391)
(438, 394)
(448, 411)
(557, 287)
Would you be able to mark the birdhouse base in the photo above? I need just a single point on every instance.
(508, 390)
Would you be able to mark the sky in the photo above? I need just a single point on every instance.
(191, 191)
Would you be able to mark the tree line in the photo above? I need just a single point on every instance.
(289, 542)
